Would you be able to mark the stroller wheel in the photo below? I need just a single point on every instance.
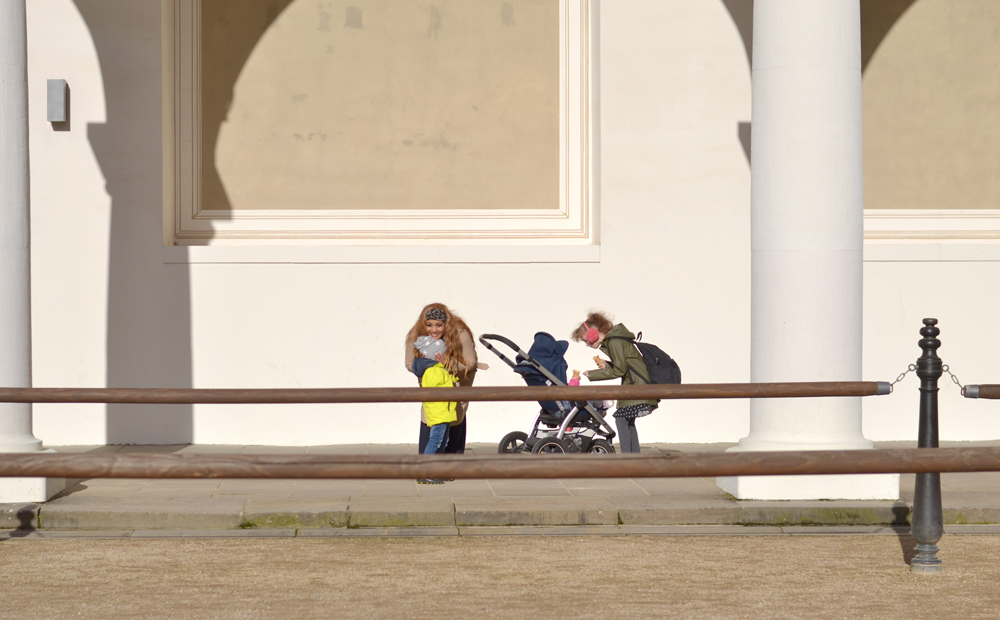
(513, 443)
(601, 446)
(550, 445)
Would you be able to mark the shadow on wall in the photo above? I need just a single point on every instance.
(741, 12)
(66, 125)
(149, 326)
(877, 19)
(149, 305)
(231, 30)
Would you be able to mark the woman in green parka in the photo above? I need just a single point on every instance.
(598, 332)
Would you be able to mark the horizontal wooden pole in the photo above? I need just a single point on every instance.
(675, 465)
(982, 391)
(165, 396)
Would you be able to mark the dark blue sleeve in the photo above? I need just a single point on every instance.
(421, 364)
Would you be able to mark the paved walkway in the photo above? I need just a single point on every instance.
(364, 507)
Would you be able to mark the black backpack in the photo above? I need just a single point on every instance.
(661, 367)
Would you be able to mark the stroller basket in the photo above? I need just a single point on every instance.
(560, 426)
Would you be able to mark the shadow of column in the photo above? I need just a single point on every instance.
(741, 12)
(149, 302)
(231, 30)
(877, 19)
(148, 314)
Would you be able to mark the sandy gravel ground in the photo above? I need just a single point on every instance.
(508, 577)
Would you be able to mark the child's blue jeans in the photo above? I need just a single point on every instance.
(438, 439)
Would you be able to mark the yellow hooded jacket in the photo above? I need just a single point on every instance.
(439, 412)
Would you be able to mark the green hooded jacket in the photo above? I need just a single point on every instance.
(623, 355)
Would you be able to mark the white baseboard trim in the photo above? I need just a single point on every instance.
(930, 252)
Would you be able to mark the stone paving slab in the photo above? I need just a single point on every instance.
(342, 490)
(529, 488)
(294, 513)
(258, 488)
(391, 489)
(607, 487)
(560, 530)
(89, 514)
(405, 532)
(825, 513)
(267, 512)
(531, 511)
(402, 512)
(971, 515)
(65, 534)
(700, 530)
(681, 488)
(19, 516)
(656, 511)
(848, 530)
(456, 489)
(971, 530)
(489, 531)
(125, 489)
(216, 533)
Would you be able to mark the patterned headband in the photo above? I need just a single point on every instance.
(436, 314)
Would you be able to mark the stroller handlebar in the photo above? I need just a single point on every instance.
(484, 338)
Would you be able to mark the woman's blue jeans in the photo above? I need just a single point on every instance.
(456, 438)
(438, 439)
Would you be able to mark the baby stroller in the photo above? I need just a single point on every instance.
(560, 426)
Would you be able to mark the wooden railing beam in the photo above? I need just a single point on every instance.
(679, 465)
(416, 395)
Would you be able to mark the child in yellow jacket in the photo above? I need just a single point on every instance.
(439, 415)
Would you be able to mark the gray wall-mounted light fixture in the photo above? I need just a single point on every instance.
(58, 101)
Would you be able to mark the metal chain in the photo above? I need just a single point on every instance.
(953, 378)
(909, 369)
(913, 367)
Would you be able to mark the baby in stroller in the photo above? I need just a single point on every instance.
(560, 426)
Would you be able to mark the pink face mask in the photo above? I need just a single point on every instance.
(592, 334)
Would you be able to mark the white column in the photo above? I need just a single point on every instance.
(15, 250)
(806, 240)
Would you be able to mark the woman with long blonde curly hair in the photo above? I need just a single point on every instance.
(459, 358)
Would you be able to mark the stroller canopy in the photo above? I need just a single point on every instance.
(548, 353)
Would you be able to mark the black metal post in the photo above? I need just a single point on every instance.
(928, 519)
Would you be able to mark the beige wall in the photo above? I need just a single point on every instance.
(673, 181)
(932, 106)
(107, 310)
(376, 104)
